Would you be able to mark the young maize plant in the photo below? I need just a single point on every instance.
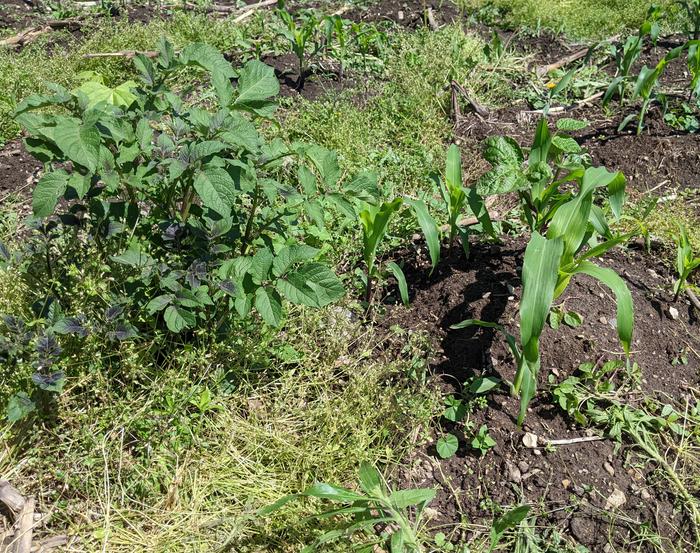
(553, 257)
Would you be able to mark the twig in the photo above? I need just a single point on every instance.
(430, 16)
(128, 54)
(544, 69)
(29, 35)
(480, 110)
(250, 9)
(570, 441)
(25, 526)
(576, 105)
(11, 497)
(693, 298)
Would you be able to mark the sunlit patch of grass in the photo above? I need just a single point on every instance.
(179, 456)
(578, 19)
(400, 127)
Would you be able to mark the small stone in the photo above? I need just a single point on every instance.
(537, 452)
(565, 484)
(523, 466)
(514, 474)
(530, 440)
(616, 500)
(578, 490)
(603, 320)
(608, 548)
(673, 313)
(400, 15)
(609, 468)
(431, 513)
(645, 495)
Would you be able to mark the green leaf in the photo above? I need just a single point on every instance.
(269, 305)
(96, 92)
(290, 255)
(217, 190)
(509, 520)
(566, 144)
(313, 284)
(159, 303)
(178, 319)
(374, 224)
(80, 143)
(80, 183)
(453, 172)
(334, 493)
(569, 125)
(48, 191)
(623, 298)
(429, 228)
(408, 498)
(540, 275)
(447, 446)
(256, 83)
(370, 480)
(208, 57)
(555, 317)
(503, 150)
(133, 258)
(19, 406)
(573, 319)
(401, 279)
(484, 384)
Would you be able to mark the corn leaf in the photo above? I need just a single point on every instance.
(623, 298)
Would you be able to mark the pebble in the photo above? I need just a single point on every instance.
(673, 313)
(645, 495)
(523, 466)
(616, 500)
(608, 548)
(514, 474)
(530, 440)
(400, 15)
(566, 483)
(609, 468)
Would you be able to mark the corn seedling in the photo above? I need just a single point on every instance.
(457, 198)
(539, 179)
(375, 220)
(552, 260)
(686, 262)
(630, 52)
(301, 36)
(385, 518)
(645, 87)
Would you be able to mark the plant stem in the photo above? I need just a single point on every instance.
(249, 223)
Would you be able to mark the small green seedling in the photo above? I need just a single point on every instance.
(686, 262)
(374, 221)
(482, 440)
(447, 446)
(552, 260)
(626, 57)
(397, 513)
(301, 36)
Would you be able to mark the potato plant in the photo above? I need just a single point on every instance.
(193, 217)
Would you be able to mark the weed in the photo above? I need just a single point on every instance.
(378, 506)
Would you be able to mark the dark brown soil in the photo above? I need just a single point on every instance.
(407, 13)
(320, 79)
(572, 483)
(18, 171)
(16, 14)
